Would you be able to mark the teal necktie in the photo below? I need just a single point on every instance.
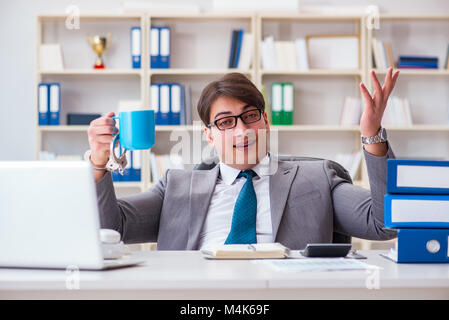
(243, 228)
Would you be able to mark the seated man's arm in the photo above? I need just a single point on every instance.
(359, 212)
(135, 217)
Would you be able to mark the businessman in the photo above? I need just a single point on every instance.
(240, 200)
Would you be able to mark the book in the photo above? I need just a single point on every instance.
(397, 112)
(350, 161)
(446, 64)
(50, 57)
(268, 54)
(246, 52)
(301, 52)
(247, 251)
(234, 40)
(387, 46)
(416, 211)
(417, 176)
(351, 111)
(418, 62)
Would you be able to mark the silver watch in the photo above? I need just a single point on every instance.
(380, 137)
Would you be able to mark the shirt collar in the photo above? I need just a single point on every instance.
(229, 174)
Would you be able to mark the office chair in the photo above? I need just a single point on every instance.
(339, 169)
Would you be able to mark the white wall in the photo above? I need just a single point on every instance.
(17, 57)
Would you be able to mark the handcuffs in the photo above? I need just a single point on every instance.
(114, 163)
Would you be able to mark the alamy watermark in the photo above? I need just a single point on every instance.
(72, 280)
(72, 21)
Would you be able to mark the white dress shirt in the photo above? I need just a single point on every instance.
(221, 208)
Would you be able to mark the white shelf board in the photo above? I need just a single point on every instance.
(201, 16)
(93, 72)
(310, 16)
(387, 16)
(312, 72)
(317, 128)
(419, 127)
(418, 72)
(92, 16)
(193, 71)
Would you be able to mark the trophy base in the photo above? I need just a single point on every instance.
(101, 66)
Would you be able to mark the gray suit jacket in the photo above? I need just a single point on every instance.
(308, 200)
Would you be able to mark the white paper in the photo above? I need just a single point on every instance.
(314, 264)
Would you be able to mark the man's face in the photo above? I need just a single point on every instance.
(243, 145)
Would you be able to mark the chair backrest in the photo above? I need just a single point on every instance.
(339, 169)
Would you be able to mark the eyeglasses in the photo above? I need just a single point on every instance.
(230, 122)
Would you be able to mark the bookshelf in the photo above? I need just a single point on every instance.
(427, 137)
(200, 48)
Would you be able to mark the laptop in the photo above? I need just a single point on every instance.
(49, 217)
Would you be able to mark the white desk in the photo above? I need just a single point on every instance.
(186, 275)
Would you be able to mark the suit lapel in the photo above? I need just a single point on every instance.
(201, 189)
(280, 183)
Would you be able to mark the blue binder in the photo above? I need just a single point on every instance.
(136, 167)
(416, 211)
(54, 92)
(136, 47)
(43, 104)
(164, 47)
(175, 103)
(155, 102)
(183, 116)
(155, 48)
(164, 103)
(238, 48)
(421, 178)
(422, 245)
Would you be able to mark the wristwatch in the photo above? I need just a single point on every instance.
(380, 137)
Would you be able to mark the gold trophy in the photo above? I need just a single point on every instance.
(99, 45)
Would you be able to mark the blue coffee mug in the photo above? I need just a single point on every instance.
(136, 129)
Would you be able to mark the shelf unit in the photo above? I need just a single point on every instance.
(199, 66)
(426, 88)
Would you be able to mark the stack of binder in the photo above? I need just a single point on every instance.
(282, 103)
(417, 205)
(171, 104)
(49, 103)
(160, 47)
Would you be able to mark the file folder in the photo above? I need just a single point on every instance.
(155, 103)
(276, 103)
(136, 47)
(154, 48)
(416, 211)
(164, 48)
(417, 176)
(288, 103)
(164, 104)
(54, 103)
(43, 104)
(175, 104)
(421, 246)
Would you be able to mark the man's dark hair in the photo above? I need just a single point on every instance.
(234, 85)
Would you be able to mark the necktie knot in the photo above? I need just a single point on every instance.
(248, 174)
